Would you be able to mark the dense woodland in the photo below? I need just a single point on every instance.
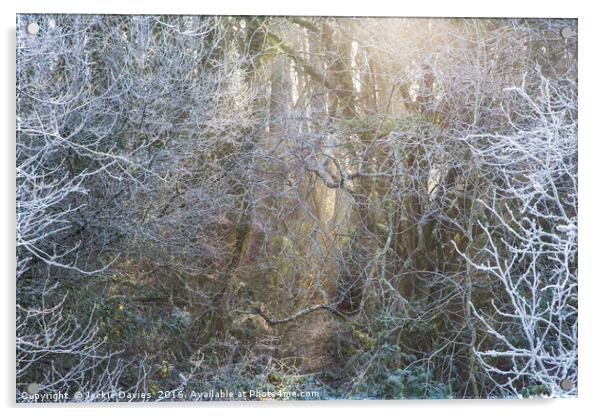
(378, 208)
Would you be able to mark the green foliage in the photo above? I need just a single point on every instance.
(536, 390)
(388, 377)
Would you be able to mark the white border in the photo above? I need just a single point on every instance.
(462, 8)
(590, 186)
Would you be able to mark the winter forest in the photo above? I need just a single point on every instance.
(295, 208)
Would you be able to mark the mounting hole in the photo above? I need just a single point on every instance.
(567, 32)
(32, 28)
(566, 384)
(33, 388)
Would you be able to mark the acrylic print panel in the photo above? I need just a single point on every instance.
(295, 208)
